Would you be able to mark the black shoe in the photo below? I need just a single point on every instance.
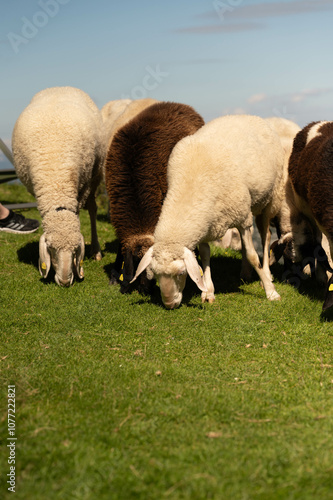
(17, 224)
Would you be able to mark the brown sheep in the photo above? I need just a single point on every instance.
(136, 180)
(311, 176)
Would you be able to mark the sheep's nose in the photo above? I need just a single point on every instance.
(64, 282)
(173, 304)
(169, 305)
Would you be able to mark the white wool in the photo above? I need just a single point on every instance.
(59, 148)
(218, 177)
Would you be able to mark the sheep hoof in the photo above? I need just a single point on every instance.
(273, 296)
(207, 297)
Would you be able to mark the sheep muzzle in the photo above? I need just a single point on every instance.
(171, 290)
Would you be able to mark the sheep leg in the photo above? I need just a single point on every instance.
(253, 258)
(322, 263)
(246, 269)
(116, 271)
(92, 209)
(262, 222)
(204, 251)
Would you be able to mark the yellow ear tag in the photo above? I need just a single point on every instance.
(201, 272)
(81, 263)
(43, 266)
(121, 277)
(330, 288)
(270, 252)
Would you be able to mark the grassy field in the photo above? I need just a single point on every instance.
(119, 398)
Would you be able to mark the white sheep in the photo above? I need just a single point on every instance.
(59, 148)
(228, 171)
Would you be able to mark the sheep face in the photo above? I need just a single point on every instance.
(172, 287)
(65, 262)
(171, 272)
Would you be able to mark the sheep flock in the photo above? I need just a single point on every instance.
(176, 185)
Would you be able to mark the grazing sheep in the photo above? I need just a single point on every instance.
(311, 176)
(136, 179)
(59, 150)
(218, 178)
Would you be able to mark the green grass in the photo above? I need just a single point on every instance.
(119, 398)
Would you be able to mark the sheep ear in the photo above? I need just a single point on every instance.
(144, 262)
(194, 270)
(79, 256)
(44, 261)
(127, 273)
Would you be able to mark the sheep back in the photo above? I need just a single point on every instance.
(136, 169)
(59, 148)
(117, 113)
(228, 170)
(286, 130)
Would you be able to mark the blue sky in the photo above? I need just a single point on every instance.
(220, 56)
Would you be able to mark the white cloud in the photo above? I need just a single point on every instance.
(302, 107)
(234, 111)
(225, 13)
(257, 98)
(306, 93)
(293, 97)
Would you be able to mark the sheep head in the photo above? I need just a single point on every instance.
(62, 246)
(171, 269)
(66, 263)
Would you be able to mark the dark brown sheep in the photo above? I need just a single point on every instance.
(311, 176)
(136, 181)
